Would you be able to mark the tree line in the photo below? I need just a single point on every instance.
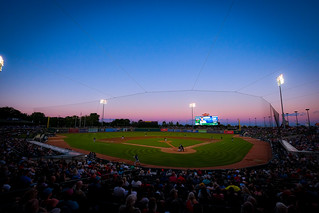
(9, 115)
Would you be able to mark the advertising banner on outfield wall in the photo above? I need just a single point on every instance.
(73, 130)
(187, 130)
(177, 130)
(155, 130)
(93, 130)
(202, 131)
(164, 130)
(140, 130)
(147, 129)
(62, 130)
(110, 130)
(215, 131)
(83, 130)
(228, 132)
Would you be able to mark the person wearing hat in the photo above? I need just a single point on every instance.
(48, 202)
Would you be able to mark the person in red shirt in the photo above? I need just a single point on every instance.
(181, 179)
(173, 178)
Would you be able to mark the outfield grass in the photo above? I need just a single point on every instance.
(220, 153)
(176, 142)
(149, 142)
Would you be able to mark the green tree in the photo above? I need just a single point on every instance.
(93, 120)
(68, 121)
(120, 122)
(38, 118)
(10, 112)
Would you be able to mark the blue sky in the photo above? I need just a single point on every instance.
(63, 53)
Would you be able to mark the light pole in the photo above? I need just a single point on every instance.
(103, 102)
(287, 118)
(270, 123)
(249, 121)
(308, 117)
(296, 118)
(1, 63)
(280, 81)
(192, 105)
(255, 122)
(264, 121)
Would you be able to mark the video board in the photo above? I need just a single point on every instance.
(206, 120)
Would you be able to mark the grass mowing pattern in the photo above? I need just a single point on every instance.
(150, 142)
(215, 154)
(185, 142)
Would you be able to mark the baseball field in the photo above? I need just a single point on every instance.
(161, 149)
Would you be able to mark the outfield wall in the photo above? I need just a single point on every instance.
(95, 130)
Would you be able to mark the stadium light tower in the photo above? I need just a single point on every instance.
(103, 101)
(296, 118)
(1, 63)
(280, 81)
(192, 105)
(308, 117)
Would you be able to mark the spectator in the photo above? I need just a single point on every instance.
(129, 205)
(119, 192)
(191, 201)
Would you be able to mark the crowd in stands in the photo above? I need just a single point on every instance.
(302, 138)
(305, 140)
(288, 183)
(21, 131)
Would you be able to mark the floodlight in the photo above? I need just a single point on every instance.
(280, 79)
(192, 105)
(1, 63)
(103, 101)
